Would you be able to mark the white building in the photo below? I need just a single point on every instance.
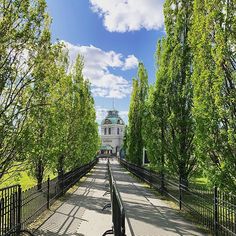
(112, 133)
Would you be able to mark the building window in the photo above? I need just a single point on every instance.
(109, 131)
(105, 131)
(118, 131)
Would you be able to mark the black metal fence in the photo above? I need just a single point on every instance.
(118, 211)
(212, 208)
(10, 210)
(18, 209)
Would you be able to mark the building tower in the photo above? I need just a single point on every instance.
(112, 133)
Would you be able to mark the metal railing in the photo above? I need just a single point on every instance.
(117, 207)
(19, 208)
(118, 212)
(10, 210)
(212, 208)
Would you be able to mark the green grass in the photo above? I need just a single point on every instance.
(198, 180)
(21, 177)
(202, 181)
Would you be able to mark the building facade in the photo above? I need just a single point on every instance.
(112, 133)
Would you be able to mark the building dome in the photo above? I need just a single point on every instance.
(112, 133)
(113, 118)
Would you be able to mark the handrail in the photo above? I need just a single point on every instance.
(118, 210)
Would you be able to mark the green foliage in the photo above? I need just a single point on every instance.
(169, 130)
(190, 112)
(125, 142)
(213, 44)
(74, 127)
(47, 114)
(37, 141)
(156, 112)
(135, 141)
(23, 26)
(179, 124)
(85, 127)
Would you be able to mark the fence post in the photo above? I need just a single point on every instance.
(162, 188)
(216, 211)
(48, 193)
(150, 178)
(62, 183)
(19, 210)
(180, 193)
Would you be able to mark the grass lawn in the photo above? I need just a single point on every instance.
(23, 178)
(201, 181)
(198, 181)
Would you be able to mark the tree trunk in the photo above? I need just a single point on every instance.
(184, 180)
(39, 173)
(162, 188)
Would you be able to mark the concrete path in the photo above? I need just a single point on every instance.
(146, 215)
(81, 213)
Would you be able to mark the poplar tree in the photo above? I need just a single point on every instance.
(47, 115)
(170, 103)
(136, 119)
(37, 141)
(21, 38)
(156, 115)
(61, 100)
(180, 128)
(134, 129)
(125, 142)
(213, 40)
(87, 129)
(77, 138)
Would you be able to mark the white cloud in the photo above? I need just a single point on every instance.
(129, 15)
(96, 68)
(100, 113)
(124, 115)
(130, 62)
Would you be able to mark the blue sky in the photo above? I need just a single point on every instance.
(112, 36)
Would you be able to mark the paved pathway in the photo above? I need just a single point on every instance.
(81, 213)
(146, 215)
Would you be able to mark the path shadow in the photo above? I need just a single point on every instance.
(66, 219)
(140, 207)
